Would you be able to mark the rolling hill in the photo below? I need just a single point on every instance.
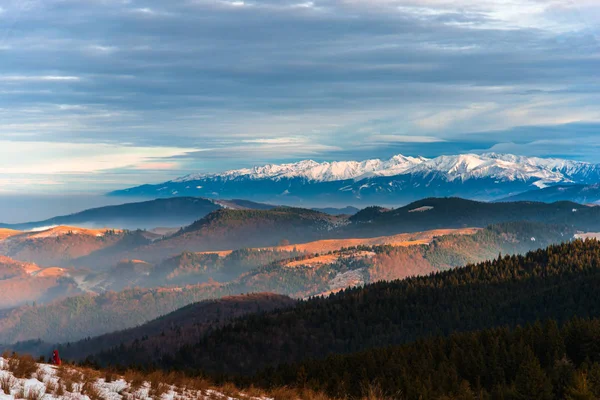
(558, 282)
(172, 212)
(168, 333)
(228, 229)
(24, 283)
(90, 315)
(582, 194)
(437, 213)
(61, 245)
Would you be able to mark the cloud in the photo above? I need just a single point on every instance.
(43, 78)
(278, 80)
(404, 139)
(49, 158)
(153, 166)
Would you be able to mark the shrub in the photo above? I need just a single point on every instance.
(7, 382)
(35, 393)
(90, 389)
(135, 379)
(51, 386)
(109, 376)
(283, 393)
(22, 366)
(60, 389)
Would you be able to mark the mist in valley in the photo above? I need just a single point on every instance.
(15, 208)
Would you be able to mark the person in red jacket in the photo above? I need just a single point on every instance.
(56, 358)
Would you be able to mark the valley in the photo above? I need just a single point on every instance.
(299, 200)
(206, 296)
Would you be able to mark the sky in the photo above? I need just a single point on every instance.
(98, 95)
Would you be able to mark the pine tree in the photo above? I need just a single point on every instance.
(580, 389)
(532, 383)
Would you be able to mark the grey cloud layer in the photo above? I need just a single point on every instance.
(330, 74)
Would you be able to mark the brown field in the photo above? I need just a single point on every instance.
(6, 233)
(51, 272)
(403, 239)
(325, 246)
(64, 230)
(321, 260)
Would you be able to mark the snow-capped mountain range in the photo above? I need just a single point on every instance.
(486, 176)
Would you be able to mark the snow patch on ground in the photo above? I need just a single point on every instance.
(46, 380)
(421, 209)
(348, 279)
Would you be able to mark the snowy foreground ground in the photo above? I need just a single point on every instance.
(44, 385)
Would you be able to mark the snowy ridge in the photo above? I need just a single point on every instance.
(314, 171)
(47, 384)
(503, 167)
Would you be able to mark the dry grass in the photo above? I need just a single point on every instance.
(60, 389)
(6, 354)
(374, 392)
(51, 386)
(22, 366)
(7, 383)
(69, 386)
(310, 395)
(68, 378)
(40, 375)
(90, 389)
(135, 379)
(284, 393)
(109, 376)
(78, 381)
(35, 393)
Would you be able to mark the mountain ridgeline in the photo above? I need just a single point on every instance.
(227, 229)
(579, 193)
(400, 179)
(171, 212)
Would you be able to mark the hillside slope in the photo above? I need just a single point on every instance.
(582, 194)
(167, 334)
(228, 229)
(90, 315)
(558, 282)
(170, 212)
(22, 283)
(62, 245)
(437, 213)
(544, 360)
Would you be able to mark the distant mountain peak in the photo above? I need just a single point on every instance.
(315, 171)
(461, 166)
(401, 178)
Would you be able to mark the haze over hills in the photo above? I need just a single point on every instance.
(547, 283)
(171, 212)
(398, 180)
(300, 275)
(186, 324)
(230, 229)
(25, 283)
(227, 229)
(578, 193)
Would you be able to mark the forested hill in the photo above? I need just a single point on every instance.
(541, 361)
(558, 282)
(435, 213)
(78, 317)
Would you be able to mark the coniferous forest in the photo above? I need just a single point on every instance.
(554, 283)
(517, 327)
